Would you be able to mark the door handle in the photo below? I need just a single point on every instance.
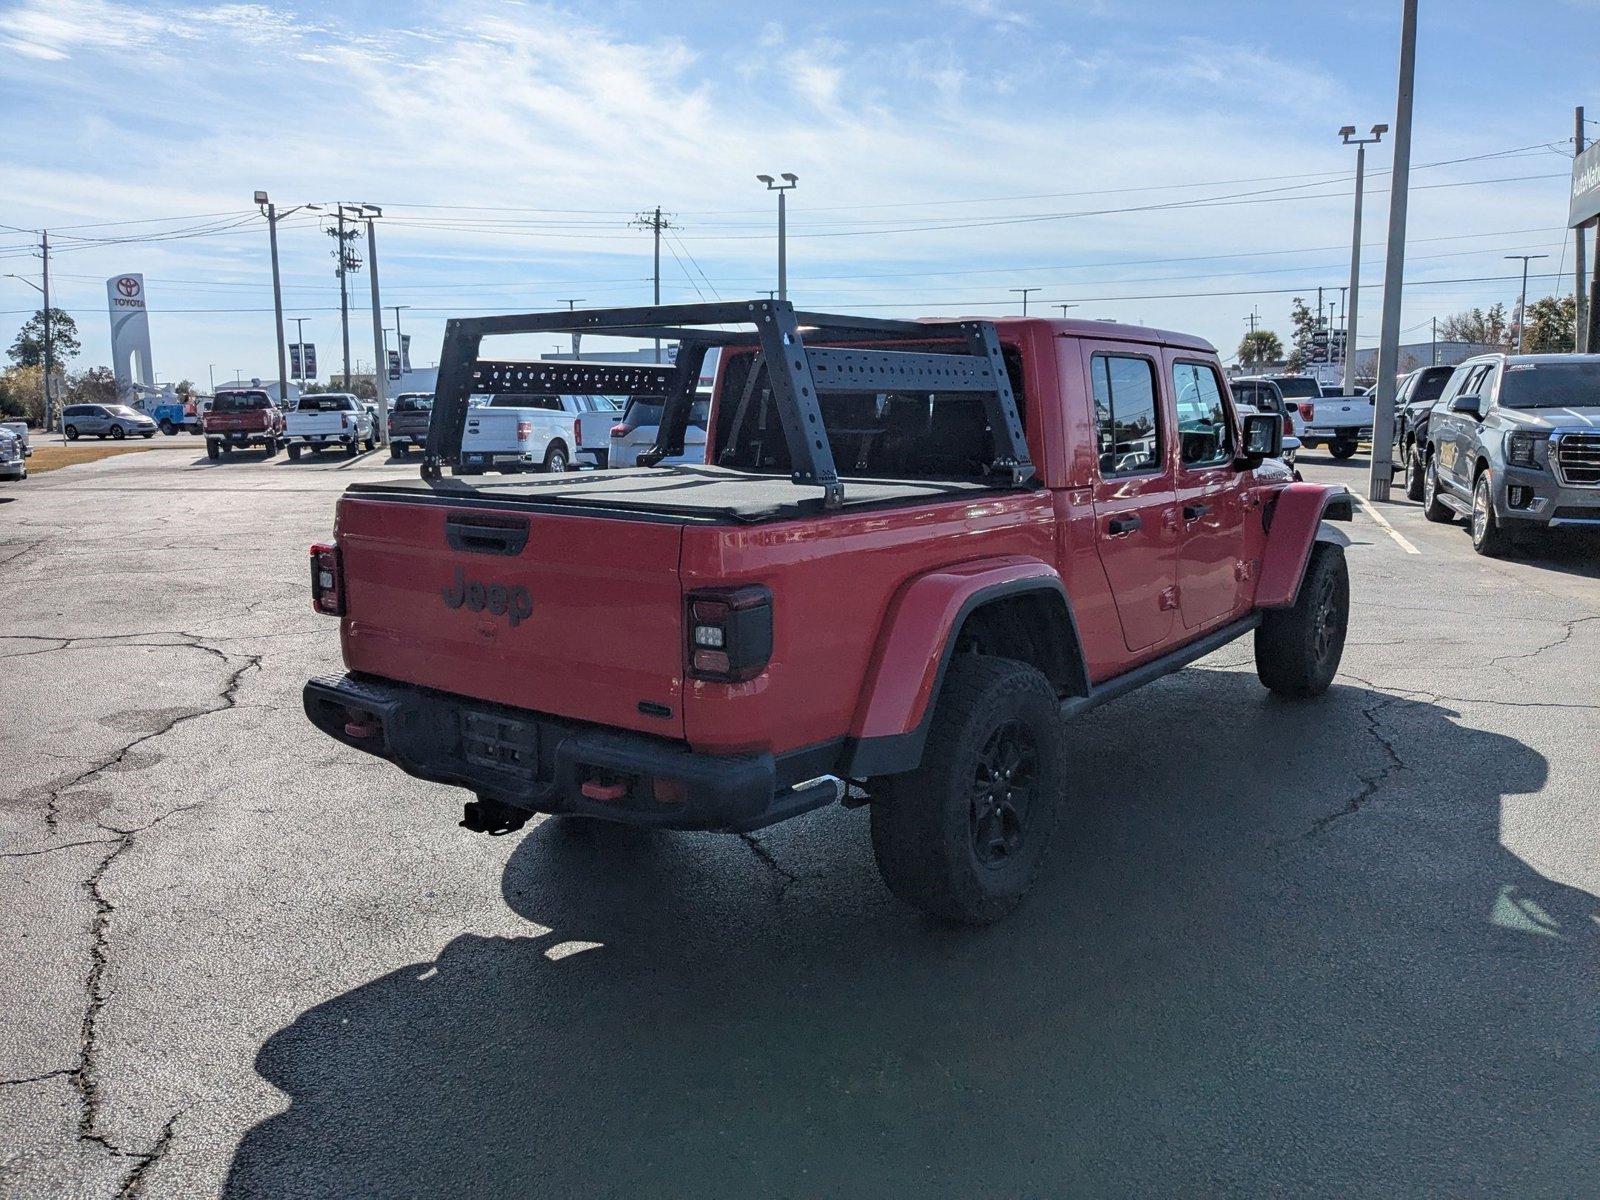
(1193, 512)
(1118, 526)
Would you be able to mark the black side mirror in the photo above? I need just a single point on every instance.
(1471, 405)
(1263, 439)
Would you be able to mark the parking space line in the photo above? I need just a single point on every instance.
(1384, 525)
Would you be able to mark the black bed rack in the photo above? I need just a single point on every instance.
(796, 372)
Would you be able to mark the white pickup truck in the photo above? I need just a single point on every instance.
(330, 420)
(522, 432)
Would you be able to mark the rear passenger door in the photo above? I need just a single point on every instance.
(1209, 487)
(1136, 531)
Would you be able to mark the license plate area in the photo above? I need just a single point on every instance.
(500, 743)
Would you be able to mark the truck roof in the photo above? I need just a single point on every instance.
(1086, 328)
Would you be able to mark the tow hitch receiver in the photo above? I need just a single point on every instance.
(492, 817)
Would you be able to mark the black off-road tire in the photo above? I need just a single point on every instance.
(1489, 537)
(1414, 471)
(1433, 508)
(953, 838)
(1342, 449)
(1298, 649)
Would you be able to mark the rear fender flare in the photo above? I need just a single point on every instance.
(1297, 521)
(914, 648)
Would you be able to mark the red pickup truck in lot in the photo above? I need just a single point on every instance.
(915, 549)
(241, 419)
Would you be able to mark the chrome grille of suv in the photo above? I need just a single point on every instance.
(1577, 459)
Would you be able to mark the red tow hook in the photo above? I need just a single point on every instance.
(358, 727)
(595, 790)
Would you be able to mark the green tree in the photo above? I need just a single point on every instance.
(22, 393)
(1260, 346)
(28, 349)
(1552, 326)
(1491, 328)
(184, 389)
(1303, 323)
(97, 385)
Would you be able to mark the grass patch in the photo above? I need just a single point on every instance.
(55, 456)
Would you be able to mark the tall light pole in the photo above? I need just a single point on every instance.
(380, 364)
(578, 337)
(399, 338)
(789, 181)
(1348, 378)
(1382, 472)
(1522, 302)
(270, 211)
(300, 340)
(1024, 291)
(211, 374)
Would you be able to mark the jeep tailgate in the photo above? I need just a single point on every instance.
(578, 616)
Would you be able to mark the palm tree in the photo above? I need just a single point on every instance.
(1260, 346)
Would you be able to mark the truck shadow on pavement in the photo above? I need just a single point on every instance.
(1282, 951)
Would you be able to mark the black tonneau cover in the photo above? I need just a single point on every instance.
(686, 491)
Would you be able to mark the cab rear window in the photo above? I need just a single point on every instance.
(240, 402)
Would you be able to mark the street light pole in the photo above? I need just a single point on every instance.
(1348, 377)
(1024, 291)
(300, 340)
(380, 365)
(1522, 302)
(399, 338)
(1382, 472)
(576, 336)
(263, 202)
(789, 181)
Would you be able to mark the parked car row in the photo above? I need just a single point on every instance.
(1322, 415)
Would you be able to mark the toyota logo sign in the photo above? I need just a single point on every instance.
(128, 286)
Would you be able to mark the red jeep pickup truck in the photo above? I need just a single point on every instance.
(240, 418)
(915, 548)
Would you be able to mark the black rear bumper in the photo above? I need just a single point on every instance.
(537, 763)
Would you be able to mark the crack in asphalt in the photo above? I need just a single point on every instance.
(1568, 629)
(53, 849)
(784, 877)
(147, 1159)
(1372, 781)
(228, 696)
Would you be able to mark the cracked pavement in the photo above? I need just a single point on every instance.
(1344, 947)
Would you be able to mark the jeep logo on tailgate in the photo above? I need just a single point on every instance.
(513, 603)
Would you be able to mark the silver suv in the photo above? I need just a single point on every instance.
(105, 420)
(1514, 446)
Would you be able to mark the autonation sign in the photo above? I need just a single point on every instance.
(1585, 187)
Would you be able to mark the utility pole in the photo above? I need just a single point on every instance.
(1064, 307)
(271, 210)
(1433, 346)
(1253, 320)
(211, 373)
(380, 364)
(1580, 300)
(655, 222)
(1024, 291)
(1522, 303)
(578, 337)
(44, 252)
(789, 181)
(1382, 472)
(1348, 376)
(344, 298)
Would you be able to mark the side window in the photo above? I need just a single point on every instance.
(1125, 414)
(1205, 431)
(1452, 387)
(1488, 386)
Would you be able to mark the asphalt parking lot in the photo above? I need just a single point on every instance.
(1344, 947)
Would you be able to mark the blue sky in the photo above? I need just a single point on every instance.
(948, 151)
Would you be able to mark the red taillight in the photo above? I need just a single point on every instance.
(344, 421)
(729, 633)
(1308, 411)
(327, 581)
(1288, 425)
(524, 430)
(621, 430)
(577, 431)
